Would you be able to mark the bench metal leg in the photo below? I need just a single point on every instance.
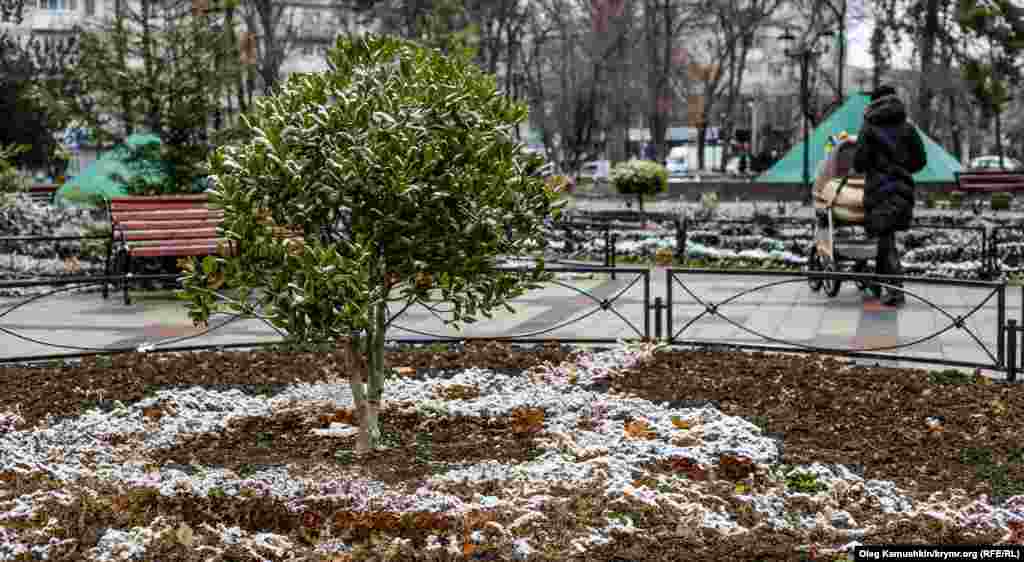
(128, 266)
(106, 273)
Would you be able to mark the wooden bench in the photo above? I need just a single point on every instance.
(163, 226)
(989, 182)
(43, 192)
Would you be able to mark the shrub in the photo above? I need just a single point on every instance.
(399, 171)
(1000, 201)
(10, 180)
(933, 199)
(639, 177)
(956, 199)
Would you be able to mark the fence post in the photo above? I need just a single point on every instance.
(607, 247)
(986, 261)
(657, 317)
(680, 239)
(1000, 323)
(615, 238)
(647, 305)
(1011, 350)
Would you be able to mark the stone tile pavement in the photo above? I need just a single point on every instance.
(784, 313)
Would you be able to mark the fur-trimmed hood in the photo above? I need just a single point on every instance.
(886, 111)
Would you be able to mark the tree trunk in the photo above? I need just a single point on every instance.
(958, 148)
(701, 130)
(999, 135)
(931, 31)
(368, 362)
(357, 371)
(126, 111)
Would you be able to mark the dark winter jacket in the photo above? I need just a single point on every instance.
(889, 153)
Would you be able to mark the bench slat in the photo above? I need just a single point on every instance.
(179, 242)
(189, 214)
(989, 182)
(169, 234)
(162, 198)
(148, 206)
(150, 224)
(166, 251)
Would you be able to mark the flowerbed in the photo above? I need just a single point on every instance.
(763, 242)
(567, 460)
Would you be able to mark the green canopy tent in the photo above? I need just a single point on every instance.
(790, 169)
(98, 179)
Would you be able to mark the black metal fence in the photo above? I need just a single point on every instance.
(634, 277)
(983, 242)
(995, 348)
(660, 319)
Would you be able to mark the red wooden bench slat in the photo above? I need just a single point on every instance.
(179, 242)
(151, 224)
(147, 206)
(169, 234)
(43, 188)
(170, 251)
(989, 182)
(188, 214)
(161, 198)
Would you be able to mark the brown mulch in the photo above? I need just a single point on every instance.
(873, 419)
(416, 446)
(36, 392)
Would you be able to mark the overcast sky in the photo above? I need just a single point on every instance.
(859, 39)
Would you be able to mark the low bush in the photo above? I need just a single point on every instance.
(1001, 201)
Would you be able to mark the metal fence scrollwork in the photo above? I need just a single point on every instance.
(996, 357)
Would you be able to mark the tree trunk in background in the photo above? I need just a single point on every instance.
(955, 135)
(129, 126)
(701, 132)
(931, 32)
(618, 132)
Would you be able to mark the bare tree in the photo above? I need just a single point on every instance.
(561, 79)
(664, 22)
(276, 31)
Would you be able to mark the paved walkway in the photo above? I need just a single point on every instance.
(787, 311)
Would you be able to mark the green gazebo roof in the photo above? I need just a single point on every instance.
(789, 169)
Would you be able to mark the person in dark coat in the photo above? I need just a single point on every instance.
(889, 152)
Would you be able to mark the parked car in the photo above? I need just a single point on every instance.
(991, 163)
(594, 171)
(732, 168)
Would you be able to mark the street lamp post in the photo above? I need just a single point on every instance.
(805, 53)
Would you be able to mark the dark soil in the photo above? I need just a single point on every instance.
(875, 419)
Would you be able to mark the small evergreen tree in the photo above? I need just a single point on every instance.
(398, 178)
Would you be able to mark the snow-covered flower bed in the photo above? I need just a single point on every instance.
(927, 251)
(609, 466)
(23, 217)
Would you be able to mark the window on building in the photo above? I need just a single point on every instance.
(90, 7)
(58, 5)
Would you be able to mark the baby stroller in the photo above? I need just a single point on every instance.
(840, 241)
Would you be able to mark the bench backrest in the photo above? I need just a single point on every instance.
(173, 221)
(164, 218)
(990, 182)
(43, 191)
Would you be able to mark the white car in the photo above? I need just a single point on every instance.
(677, 166)
(991, 163)
(595, 170)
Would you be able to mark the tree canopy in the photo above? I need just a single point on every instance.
(393, 177)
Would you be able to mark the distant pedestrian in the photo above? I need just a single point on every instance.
(889, 153)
